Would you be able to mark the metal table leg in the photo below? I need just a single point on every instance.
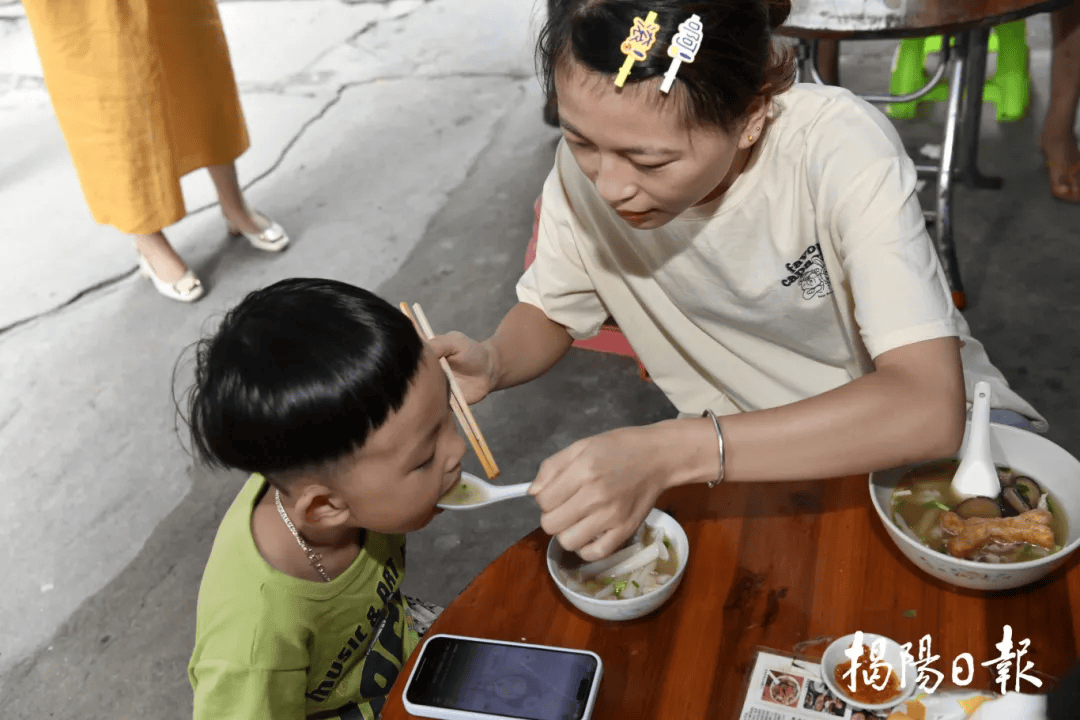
(974, 79)
(803, 50)
(961, 75)
(943, 219)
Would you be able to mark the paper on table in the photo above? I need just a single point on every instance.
(782, 688)
(769, 697)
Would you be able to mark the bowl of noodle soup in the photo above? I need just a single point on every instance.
(1025, 453)
(613, 595)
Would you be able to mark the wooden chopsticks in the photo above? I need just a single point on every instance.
(457, 398)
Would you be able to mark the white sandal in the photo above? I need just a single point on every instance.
(272, 239)
(186, 289)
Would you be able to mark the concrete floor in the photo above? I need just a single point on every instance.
(401, 157)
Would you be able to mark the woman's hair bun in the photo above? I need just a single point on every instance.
(778, 11)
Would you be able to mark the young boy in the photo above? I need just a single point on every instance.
(327, 395)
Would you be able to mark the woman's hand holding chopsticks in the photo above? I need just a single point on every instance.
(525, 346)
(459, 401)
(474, 364)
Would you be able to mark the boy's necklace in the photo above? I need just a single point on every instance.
(313, 557)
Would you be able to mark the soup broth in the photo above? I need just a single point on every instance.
(925, 508)
(462, 493)
(644, 566)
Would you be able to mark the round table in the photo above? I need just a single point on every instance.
(770, 565)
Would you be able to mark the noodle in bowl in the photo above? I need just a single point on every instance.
(628, 608)
(1026, 452)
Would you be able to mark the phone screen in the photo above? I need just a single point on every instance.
(520, 682)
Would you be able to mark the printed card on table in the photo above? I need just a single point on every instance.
(783, 688)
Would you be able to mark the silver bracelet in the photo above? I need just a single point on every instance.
(719, 443)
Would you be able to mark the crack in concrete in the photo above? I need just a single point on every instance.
(10, 84)
(5, 421)
(496, 131)
(339, 93)
(368, 28)
(103, 284)
(376, 2)
(297, 78)
(142, 601)
(342, 2)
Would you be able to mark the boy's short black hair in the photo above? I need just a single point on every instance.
(298, 375)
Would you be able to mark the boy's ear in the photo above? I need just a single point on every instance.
(320, 506)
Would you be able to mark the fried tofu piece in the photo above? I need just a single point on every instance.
(970, 534)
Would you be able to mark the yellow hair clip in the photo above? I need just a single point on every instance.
(637, 44)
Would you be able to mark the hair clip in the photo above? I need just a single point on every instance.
(637, 44)
(684, 47)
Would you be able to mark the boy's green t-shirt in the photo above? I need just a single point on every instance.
(268, 645)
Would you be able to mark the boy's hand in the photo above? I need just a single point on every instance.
(473, 363)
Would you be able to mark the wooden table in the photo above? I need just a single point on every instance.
(770, 565)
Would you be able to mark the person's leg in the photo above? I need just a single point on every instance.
(828, 61)
(262, 232)
(231, 196)
(165, 269)
(1059, 142)
(159, 254)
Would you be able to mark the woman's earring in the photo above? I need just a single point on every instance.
(749, 138)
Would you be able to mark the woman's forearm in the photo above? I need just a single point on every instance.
(910, 409)
(525, 346)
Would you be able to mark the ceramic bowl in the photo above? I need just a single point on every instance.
(634, 607)
(894, 656)
(1048, 464)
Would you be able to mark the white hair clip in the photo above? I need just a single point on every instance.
(684, 47)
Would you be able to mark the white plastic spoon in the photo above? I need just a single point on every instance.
(977, 474)
(471, 492)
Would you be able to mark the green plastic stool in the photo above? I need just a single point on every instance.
(1008, 88)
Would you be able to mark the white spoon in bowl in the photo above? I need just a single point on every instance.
(471, 492)
(977, 475)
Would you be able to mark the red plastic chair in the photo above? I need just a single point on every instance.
(610, 339)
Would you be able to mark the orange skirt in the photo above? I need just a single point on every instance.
(144, 93)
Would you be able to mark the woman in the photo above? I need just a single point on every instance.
(144, 93)
(760, 245)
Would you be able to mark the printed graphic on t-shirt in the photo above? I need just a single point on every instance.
(378, 645)
(809, 271)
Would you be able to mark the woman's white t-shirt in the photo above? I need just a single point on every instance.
(815, 261)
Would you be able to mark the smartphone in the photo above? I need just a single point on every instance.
(465, 678)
